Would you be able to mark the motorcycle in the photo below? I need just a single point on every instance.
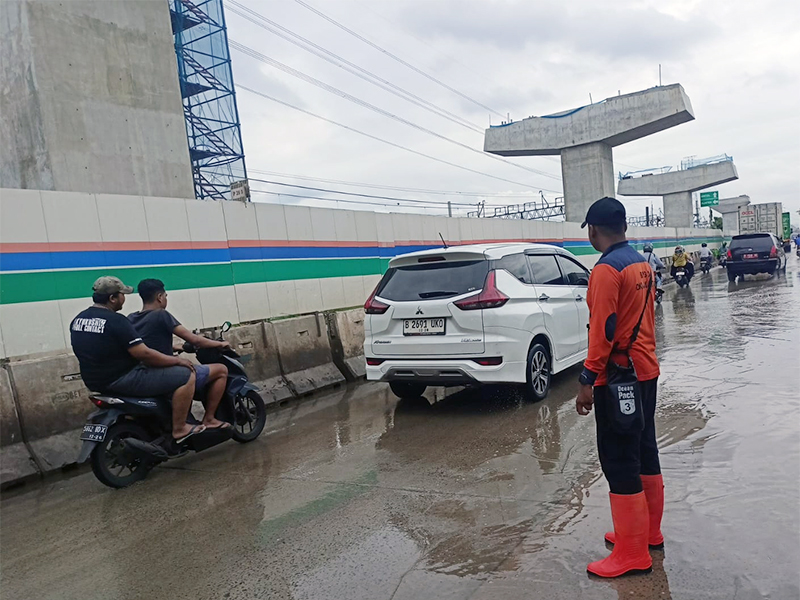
(128, 436)
(723, 259)
(659, 289)
(705, 264)
(680, 277)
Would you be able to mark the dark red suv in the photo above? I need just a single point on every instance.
(753, 253)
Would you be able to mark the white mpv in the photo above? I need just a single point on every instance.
(484, 313)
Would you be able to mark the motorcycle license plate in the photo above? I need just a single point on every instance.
(751, 255)
(423, 327)
(94, 433)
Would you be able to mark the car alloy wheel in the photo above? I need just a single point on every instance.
(539, 371)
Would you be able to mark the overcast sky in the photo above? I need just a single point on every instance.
(738, 60)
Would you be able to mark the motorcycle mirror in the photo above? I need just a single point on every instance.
(226, 326)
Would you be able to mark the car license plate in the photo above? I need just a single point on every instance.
(94, 433)
(423, 327)
(751, 255)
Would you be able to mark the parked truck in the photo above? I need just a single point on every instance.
(762, 218)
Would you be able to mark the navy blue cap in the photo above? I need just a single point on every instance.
(606, 211)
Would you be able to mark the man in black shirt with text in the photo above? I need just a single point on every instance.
(115, 360)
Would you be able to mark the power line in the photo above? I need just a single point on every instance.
(365, 134)
(318, 189)
(367, 6)
(395, 57)
(334, 90)
(333, 58)
(390, 187)
(437, 205)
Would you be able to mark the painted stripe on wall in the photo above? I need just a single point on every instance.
(44, 257)
(30, 276)
(62, 285)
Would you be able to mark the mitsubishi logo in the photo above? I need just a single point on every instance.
(419, 311)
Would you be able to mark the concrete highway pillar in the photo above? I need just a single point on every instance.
(584, 137)
(587, 173)
(678, 210)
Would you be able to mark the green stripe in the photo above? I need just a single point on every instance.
(62, 285)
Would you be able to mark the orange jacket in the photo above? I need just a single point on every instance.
(616, 296)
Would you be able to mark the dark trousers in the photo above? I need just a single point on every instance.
(624, 457)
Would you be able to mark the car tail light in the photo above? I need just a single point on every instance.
(374, 362)
(730, 254)
(773, 252)
(373, 306)
(489, 297)
(489, 362)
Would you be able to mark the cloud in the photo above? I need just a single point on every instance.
(600, 29)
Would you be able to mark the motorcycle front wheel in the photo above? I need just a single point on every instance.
(249, 418)
(109, 463)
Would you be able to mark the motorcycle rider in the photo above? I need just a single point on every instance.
(114, 359)
(705, 254)
(680, 260)
(654, 262)
(157, 326)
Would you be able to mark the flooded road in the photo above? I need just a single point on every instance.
(482, 495)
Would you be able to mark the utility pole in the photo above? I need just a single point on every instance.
(449, 209)
(647, 216)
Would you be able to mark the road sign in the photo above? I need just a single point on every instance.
(787, 225)
(240, 190)
(709, 198)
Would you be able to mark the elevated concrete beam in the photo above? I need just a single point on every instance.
(673, 182)
(614, 121)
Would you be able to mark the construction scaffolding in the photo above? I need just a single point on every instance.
(209, 97)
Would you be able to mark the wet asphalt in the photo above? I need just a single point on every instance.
(476, 494)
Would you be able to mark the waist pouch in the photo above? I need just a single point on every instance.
(624, 398)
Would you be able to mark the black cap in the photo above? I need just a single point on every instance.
(606, 211)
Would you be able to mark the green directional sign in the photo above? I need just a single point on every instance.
(787, 225)
(709, 198)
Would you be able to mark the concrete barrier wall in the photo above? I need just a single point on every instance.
(15, 459)
(304, 349)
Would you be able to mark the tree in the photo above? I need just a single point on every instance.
(717, 223)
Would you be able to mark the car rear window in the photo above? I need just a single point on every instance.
(431, 281)
(758, 242)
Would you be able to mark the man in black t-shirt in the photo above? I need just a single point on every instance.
(114, 359)
(157, 326)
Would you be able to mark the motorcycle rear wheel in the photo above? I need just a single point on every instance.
(250, 416)
(104, 458)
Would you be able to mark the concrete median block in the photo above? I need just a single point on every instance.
(258, 348)
(305, 353)
(346, 330)
(15, 460)
(54, 404)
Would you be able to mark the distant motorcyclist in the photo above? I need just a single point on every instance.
(706, 256)
(681, 260)
(654, 262)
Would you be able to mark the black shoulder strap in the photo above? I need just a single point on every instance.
(635, 333)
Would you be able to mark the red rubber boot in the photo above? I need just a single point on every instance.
(653, 486)
(631, 523)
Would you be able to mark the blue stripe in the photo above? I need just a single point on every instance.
(34, 261)
(40, 261)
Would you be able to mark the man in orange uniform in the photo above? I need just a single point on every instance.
(620, 297)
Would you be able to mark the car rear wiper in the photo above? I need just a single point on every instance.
(437, 294)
